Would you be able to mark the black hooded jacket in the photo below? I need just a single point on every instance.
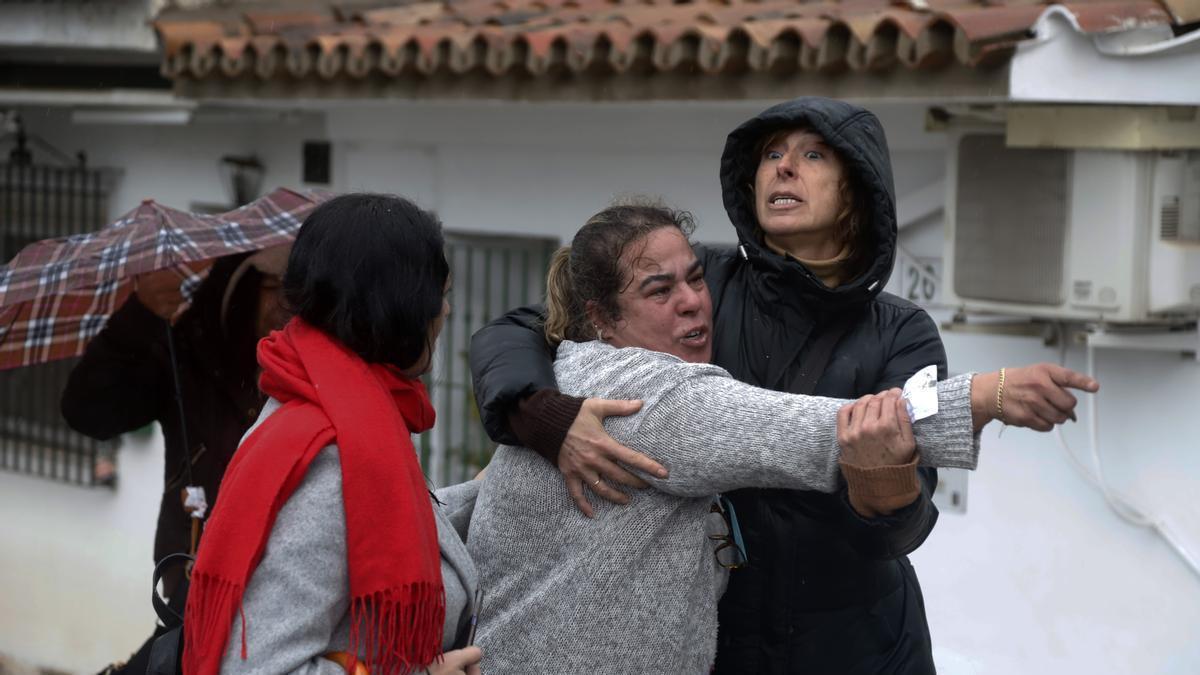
(826, 591)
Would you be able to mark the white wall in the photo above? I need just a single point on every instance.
(1037, 577)
(75, 588)
(1040, 576)
(543, 169)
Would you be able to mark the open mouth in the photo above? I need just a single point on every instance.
(695, 336)
(784, 199)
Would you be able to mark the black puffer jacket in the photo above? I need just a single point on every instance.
(827, 591)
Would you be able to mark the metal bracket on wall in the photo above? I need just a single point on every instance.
(1048, 331)
(1098, 127)
(1184, 342)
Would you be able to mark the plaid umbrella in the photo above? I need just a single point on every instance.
(57, 294)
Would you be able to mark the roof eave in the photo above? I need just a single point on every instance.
(951, 83)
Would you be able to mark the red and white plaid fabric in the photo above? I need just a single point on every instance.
(57, 294)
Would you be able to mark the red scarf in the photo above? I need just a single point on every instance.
(329, 395)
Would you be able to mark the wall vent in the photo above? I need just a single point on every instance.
(1011, 222)
(1169, 217)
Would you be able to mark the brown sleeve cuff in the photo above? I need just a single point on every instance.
(878, 491)
(540, 422)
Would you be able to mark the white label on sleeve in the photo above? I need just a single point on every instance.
(921, 393)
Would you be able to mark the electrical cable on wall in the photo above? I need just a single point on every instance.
(1095, 473)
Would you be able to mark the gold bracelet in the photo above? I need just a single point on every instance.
(1000, 397)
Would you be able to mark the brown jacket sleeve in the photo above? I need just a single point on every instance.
(881, 490)
(540, 422)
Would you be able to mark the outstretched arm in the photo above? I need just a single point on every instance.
(1036, 397)
(715, 434)
(888, 506)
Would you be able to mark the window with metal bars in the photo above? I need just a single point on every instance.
(490, 276)
(40, 202)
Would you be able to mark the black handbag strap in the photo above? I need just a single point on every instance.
(818, 355)
(165, 612)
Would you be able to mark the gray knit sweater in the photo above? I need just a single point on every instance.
(635, 590)
(297, 603)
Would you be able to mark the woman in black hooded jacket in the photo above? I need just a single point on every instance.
(799, 307)
(829, 589)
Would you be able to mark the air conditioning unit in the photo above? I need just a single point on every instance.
(1078, 235)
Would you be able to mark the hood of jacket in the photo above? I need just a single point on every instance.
(858, 137)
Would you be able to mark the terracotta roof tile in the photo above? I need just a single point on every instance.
(524, 38)
(416, 14)
(186, 35)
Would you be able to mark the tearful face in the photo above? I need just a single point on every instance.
(665, 305)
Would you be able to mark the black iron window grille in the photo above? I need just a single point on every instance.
(39, 202)
(492, 274)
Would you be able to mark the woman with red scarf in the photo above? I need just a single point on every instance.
(327, 553)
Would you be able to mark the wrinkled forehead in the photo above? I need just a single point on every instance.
(662, 250)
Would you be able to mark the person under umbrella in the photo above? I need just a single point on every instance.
(125, 381)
